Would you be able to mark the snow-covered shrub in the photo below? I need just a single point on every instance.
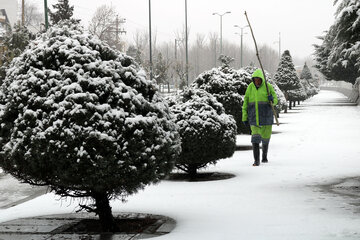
(310, 89)
(228, 86)
(298, 94)
(207, 132)
(315, 81)
(82, 118)
(306, 79)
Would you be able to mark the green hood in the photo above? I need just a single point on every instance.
(258, 73)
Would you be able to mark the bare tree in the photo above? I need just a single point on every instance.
(199, 48)
(268, 58)
(141, 41)
(33, 18)
(104, 25)
(213, 38)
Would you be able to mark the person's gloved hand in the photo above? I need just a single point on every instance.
(271, 98)
(246, 123)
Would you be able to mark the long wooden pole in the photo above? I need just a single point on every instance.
(262, 69)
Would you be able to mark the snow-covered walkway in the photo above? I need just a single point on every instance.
(315, 144)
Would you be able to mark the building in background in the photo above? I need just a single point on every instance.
(4, 28)
(12, 10)
(4, 23)
(8, 17)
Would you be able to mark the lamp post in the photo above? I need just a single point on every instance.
(46, 15)
(279, 42)
(221, 15)
(241, 42)
(23, 12)
(150, 45)
(186, 46)
(177, 41)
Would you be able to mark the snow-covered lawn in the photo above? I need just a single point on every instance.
(279, 200)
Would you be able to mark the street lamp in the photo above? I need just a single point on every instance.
(46, 15)
(150, 45)
(279, 42)
(177, 41)
(186, 46)
(241, 43)
(221, 15)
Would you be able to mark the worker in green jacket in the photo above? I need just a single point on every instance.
(257, 112)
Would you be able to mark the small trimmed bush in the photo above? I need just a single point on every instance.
(207, 132)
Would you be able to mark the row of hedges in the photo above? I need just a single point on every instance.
(83, 119)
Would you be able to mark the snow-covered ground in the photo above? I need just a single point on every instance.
(280, 200)
(14, 192)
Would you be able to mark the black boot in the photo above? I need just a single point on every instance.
(265, 147)
(256, 151)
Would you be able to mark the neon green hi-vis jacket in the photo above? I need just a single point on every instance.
(256, 108)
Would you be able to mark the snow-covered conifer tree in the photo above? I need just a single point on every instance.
(161, 69)
(83, 119)
(305, 73)
(62, 11)
(299, 94)
(338, 56)
(285, 76)
(15, 43)
(207, 133)
(306, 80)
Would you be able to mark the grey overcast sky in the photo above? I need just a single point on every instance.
(299, 21)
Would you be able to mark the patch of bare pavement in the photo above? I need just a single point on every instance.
(71, 227)
(13, 192)
(346, 187)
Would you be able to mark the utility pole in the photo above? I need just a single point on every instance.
(118, 30)
(23, 13)
(46, 15)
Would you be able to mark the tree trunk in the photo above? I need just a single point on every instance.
(294, 103)
(298, 102)
(290, 103)
(192, 171)
(103, 209)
